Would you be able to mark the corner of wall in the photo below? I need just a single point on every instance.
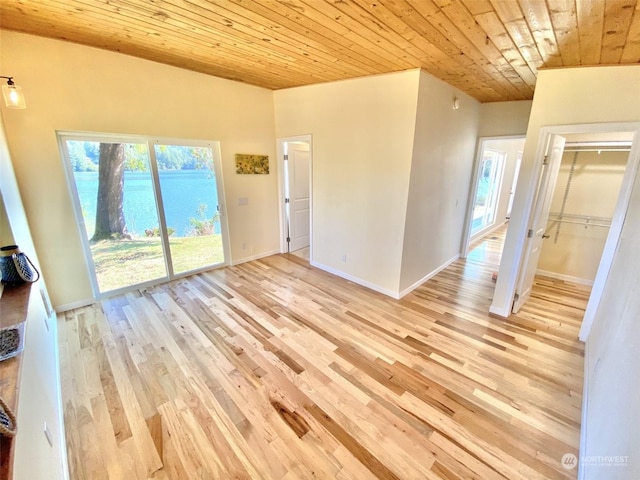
(363, 133)
(440, 173)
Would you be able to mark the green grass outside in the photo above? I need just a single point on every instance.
(120, 263)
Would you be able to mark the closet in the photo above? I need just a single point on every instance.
(583, 204)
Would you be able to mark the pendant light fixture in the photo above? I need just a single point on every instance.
(13, 96)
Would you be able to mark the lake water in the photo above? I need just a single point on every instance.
(183, 191)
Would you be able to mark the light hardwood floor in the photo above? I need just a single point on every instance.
(275, 370)
(303, 253)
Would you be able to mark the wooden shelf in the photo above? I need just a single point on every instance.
(14, 306)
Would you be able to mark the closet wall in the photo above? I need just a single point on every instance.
(583, 203)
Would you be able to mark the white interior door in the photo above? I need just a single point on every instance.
(514, 183)
(539, 220)
(298, 168)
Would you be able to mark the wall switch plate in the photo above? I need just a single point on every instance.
(47, 434)
(47, 304)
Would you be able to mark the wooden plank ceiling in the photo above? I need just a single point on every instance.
(490, 49)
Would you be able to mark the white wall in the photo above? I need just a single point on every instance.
(611, 361)
(39, 382)
(15, 226)
(612, 381)
(504, 118)
(441, 169)
(362, 133)
(77, 88)
(6, 236)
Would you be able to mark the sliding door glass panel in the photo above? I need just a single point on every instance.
(190, 201)
(115, 193)
(488, 188)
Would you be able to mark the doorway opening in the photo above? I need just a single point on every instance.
(148, 210)
(582, 205)
(295, 187)
(495, 176)
(551, 211)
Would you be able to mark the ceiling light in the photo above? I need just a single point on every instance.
(13, 96)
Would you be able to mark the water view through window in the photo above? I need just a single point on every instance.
(190, 201)
(143, 223)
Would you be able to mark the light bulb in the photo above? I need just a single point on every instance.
(13, 96)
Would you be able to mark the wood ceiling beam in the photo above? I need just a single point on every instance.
(631, 51)
(590, 15)
(617, 21)
(564, 20)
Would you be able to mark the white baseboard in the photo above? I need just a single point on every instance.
(73, 305)
(359, 281)
(254, 257)
(59, 405)
(429, 275)
(565, 278)
(378, 288)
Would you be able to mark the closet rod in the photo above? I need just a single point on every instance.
(586, 223)
(575, 216)
(597, 150)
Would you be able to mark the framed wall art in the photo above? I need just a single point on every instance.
(252, 164)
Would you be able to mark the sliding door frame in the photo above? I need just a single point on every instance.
(473, 188)
(151, 142)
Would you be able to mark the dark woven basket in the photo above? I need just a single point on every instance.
(7, 420)
(15, 266)
(10, 341)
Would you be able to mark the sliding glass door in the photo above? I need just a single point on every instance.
(148, 210)
(487, 190)
(190, 201)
